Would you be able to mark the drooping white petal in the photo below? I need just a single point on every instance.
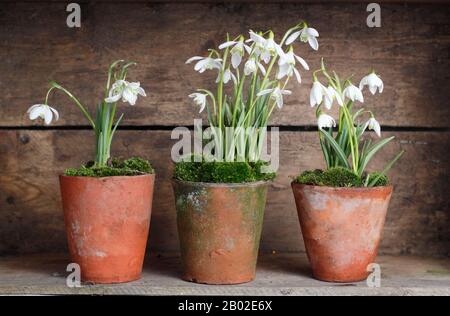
(302, 62)
(283, 70)
(55, 113)
(33, 107)
(297, 75)
(316, 93)
(313, 43)
(262, 69)
(190, 60)
(265, 56)
(200, 65)
(48, 115)
(257, 38)
(293, 37)
(264, 92)
(141, 91)
(236, 59)
(227, 44)
(312, 32)
(36, 112)
(113, 98)
(362, 83)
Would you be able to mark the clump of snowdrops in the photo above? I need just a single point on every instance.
(345, 147)
(252, 75)
(117, 89)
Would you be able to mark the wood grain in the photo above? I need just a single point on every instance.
(410, 51)
(31, 216)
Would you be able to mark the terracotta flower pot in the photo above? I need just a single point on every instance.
(107, 222)
(341, 228)
(219, 227)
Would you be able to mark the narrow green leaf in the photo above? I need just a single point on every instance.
(386, 169)
(371, 152)
(337, 149)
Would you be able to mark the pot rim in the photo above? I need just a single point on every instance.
(354, 189)
(62, 176)
(224, 185)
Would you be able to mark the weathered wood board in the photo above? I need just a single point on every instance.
(31, 215)
(410, 51)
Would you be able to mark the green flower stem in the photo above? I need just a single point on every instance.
(220, 87)
(353, 139)
(78, 103)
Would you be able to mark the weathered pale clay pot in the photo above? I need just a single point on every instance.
(341, 228)
(107, 222)
(219, 227)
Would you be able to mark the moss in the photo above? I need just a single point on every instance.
(314, 177)
(134, 163)
(341, 177)
(338, 177)
(221, 172)
(116, 167)
(382, 181)
(334, 177)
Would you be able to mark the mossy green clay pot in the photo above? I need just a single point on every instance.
(219, 227)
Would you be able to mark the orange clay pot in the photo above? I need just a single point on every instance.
(107, 222)
(341, 228)
(219, 227)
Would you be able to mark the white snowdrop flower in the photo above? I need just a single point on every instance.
(199, 99)
(205, 63)
(307, 34)
(44, 112)
(373, 125)
(353, 93)
(325, 121)
(276, 94)
(373, 82)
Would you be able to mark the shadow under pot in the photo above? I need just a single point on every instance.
(107, 222)
(219, 227)
(341, 228)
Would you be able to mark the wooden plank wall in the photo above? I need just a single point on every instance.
(410, 51)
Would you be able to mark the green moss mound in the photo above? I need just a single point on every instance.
(338, 177)
(116, 167)
(382, 179)
(221, 172)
